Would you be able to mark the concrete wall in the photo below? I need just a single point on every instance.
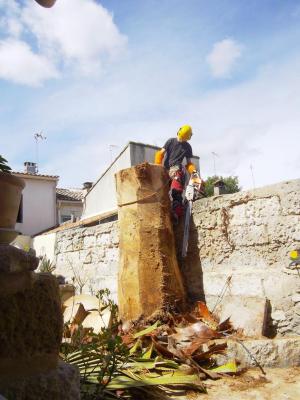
(141, 153)
(102, 196)
(39, 205)
(44, 245)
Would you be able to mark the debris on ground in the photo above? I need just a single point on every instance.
(171, 355)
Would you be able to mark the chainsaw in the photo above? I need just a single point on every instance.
(193, 191)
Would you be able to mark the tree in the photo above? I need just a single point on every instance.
(231, 183)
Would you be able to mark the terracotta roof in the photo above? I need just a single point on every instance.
(69, 194)
(38, 175)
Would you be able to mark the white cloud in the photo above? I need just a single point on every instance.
(20, 65)
(75, 35)
(79, 31)
(223, 57)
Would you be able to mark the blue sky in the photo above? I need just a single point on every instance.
(91, 74)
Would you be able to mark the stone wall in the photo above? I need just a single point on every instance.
(89, 255)
(246, 237)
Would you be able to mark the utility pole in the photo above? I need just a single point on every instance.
(214, 158)
(252, 174)
(37, 137)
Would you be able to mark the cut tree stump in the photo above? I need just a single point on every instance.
(149, 281)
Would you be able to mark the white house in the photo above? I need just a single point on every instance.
(102, 196)
(69, 204)
(38, 205)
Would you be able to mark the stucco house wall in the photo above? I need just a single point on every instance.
(38, 203)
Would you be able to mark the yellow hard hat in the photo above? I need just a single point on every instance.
(185, 133)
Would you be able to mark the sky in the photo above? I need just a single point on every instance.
(93, 75)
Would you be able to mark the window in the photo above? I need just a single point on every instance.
(20, 212)
(65, 218)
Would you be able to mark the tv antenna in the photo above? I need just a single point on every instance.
(252, 174)
(38, 137)
(214, 158)
(111, 147)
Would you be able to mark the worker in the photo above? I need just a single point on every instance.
(171, 156)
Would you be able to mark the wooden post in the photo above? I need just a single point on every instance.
(149, 279)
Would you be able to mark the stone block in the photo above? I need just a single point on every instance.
(16, 260)
(61, 383)
(275, 353)
(291, 203)
(66, 291)
(245, 313)
(31, 327)
(89, 241)
(11, 283)
(248, 235)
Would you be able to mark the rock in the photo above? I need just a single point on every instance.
(89, 302)
(31, 328)
(278, 315)
(66, 291)
(16, 260)
(275, 353)
(296, 298)
(246, 313)
(75, 313)
(97, 320)
(61, 383)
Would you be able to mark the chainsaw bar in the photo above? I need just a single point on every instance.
(186, 234)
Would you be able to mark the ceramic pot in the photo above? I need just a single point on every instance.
(10, 196)
(46, 3)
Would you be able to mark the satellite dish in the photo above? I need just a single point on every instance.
(46, 3)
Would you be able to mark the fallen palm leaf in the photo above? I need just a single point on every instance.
(207, 316)
(161, 349)
(130, 379)
(135, 347)
(228, 368)
(146, 331)
(214, 349)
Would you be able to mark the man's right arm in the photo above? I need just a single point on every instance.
(159, 156)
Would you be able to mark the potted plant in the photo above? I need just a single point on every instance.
(10, 197)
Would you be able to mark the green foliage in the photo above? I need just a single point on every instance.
(46, 265)
(3, 165)
(231, 183)
(98, 356)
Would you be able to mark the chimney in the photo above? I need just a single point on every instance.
(30, 167)
(219, 188)
(87, 187)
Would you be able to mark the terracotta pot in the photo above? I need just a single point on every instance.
(10, 196)
(46, 3)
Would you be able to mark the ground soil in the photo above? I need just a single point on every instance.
(277, 384)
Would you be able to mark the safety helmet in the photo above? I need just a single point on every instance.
(185, 133)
